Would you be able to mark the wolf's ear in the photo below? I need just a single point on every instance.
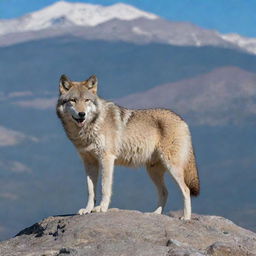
(65, 84)
(92, 83)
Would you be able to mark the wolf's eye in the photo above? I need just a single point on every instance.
(72, 100)
(86, 100)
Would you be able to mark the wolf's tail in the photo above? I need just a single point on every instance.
(191, 174)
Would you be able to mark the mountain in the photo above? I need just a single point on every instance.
(226, 95)
(117, 22)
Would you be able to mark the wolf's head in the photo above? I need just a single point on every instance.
(77, 100)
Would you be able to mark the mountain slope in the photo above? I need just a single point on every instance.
(224, 96)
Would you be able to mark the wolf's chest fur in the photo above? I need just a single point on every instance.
(130, 147)
(88, 141)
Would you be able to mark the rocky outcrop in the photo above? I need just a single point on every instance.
(131, 233)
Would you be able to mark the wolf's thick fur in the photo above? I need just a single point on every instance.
(106, 135)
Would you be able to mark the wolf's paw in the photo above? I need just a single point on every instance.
(185, 218)
(158, 210)
(99, 208)
(84, 211)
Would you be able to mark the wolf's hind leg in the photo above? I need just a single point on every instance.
(177, 173)
(92, 173)
(156, 173)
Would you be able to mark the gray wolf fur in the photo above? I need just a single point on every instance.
(106, 134)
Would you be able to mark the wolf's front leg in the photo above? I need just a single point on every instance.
(92, 172)
(107, 164)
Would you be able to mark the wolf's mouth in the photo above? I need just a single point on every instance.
(80, 121)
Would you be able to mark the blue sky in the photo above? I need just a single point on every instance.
(225, 16)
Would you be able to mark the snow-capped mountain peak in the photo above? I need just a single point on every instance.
(117, 22)
(64, 13)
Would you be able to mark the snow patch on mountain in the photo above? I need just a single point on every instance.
(244, 42)
(63, 13)
(139, 31)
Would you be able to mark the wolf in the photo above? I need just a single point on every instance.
(106, 134)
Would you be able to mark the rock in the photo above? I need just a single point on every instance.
(125, 233)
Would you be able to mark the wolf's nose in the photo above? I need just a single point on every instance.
(81, 114)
